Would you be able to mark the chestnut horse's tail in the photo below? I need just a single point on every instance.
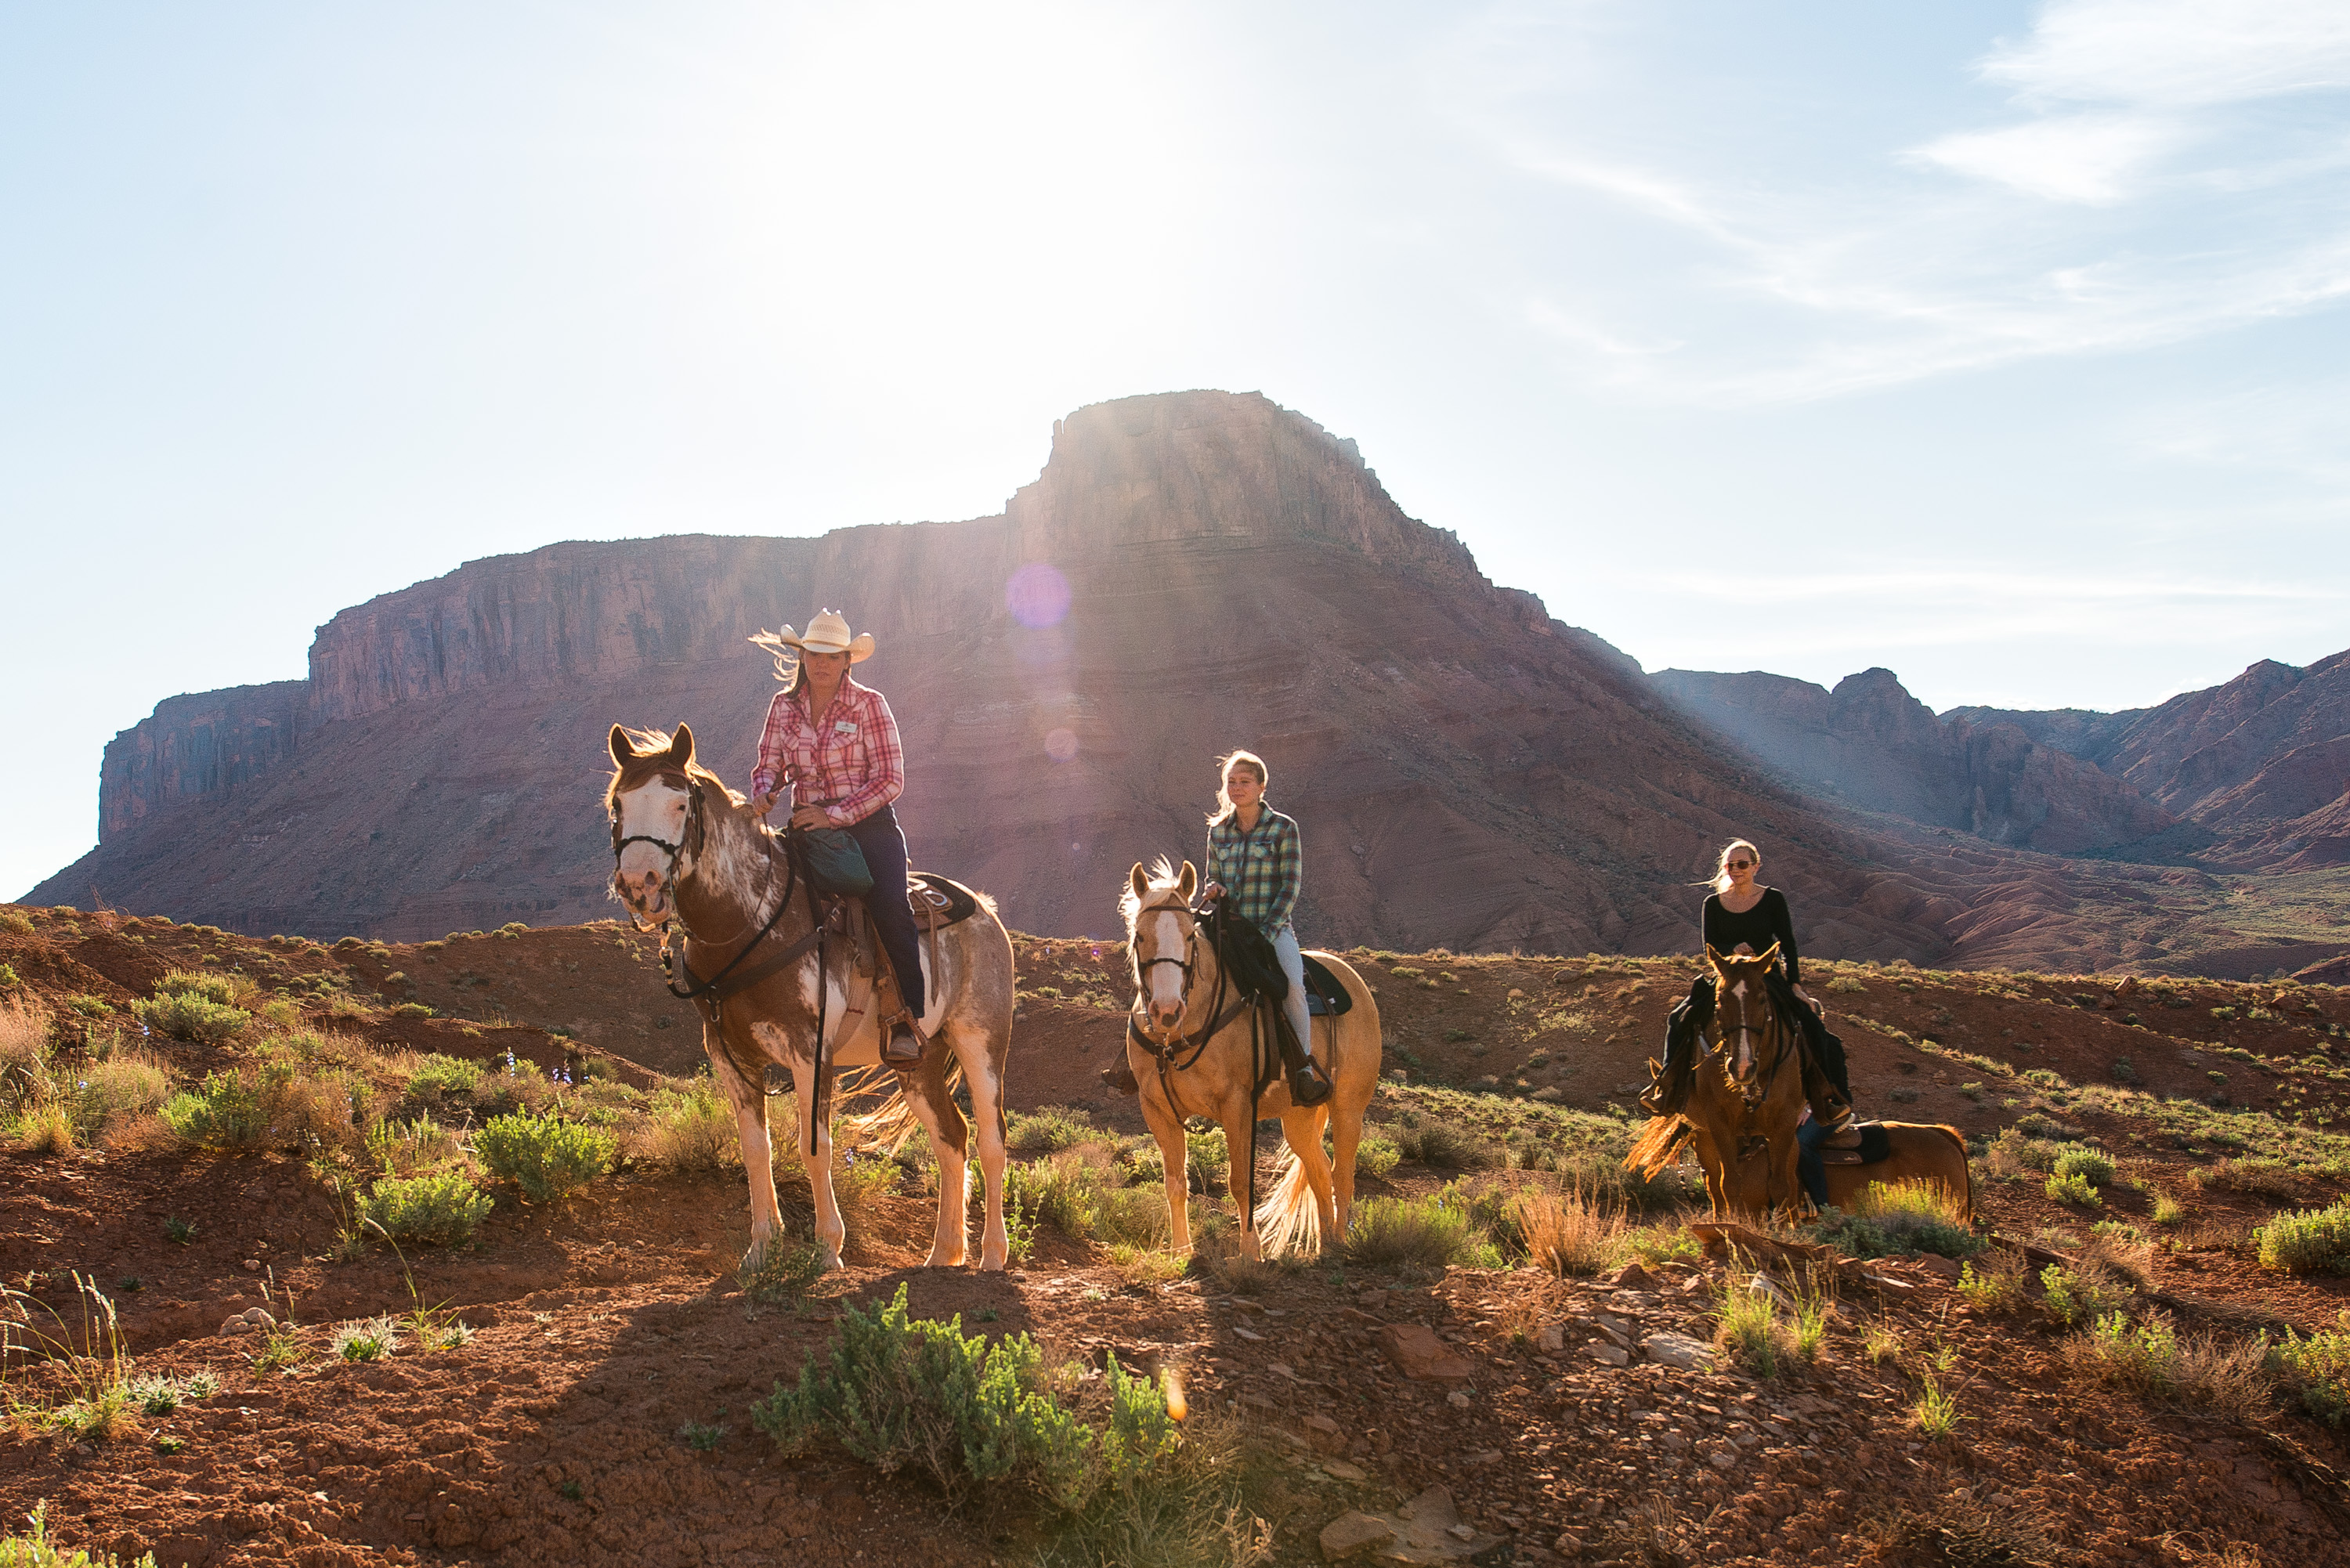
(1660, 1145)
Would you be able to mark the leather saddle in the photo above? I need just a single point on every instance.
(1324, 997)
(936, 903)
(1875, 1144)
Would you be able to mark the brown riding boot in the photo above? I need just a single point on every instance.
(902, 1052)
(1120, 1079)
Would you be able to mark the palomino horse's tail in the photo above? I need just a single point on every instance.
(1659, 1145)
(1288, 1220)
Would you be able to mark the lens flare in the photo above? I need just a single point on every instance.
(1037, 595)
(1061, 745)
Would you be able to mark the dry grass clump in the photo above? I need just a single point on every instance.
(1568, 1233)
(689, 1127)
(2151, 1358)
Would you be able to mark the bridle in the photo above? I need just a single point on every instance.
(671, 850)
(1139, 1016)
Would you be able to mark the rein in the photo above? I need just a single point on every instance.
(1164, 1052)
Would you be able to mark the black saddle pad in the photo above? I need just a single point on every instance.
(1324, 997)
(1875, 1144)
(953, 902)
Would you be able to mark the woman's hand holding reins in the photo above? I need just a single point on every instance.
(762, 804)
(809, 818)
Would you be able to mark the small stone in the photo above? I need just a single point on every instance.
(1458, 1399)
(1342, 1470)
(1679, 1351)
(231, 1327)
(1567, 1544)
(252, 1265)
(1418, 1354)
(1248, 1333)
(1460, 1533)
(1600, 1350)
(1630, 1277)
(1721, 1459)
(1353, 1532)
(259, 1317)
(1551, 1339)
(1618, 1332)
(1323, 1424)
(1484, 1456)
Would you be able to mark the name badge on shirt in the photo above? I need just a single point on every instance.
(843, 727)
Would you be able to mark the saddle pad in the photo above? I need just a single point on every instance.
(1324, 997)
(1875, 1144)
(929, 894)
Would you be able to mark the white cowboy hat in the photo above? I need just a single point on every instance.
(827, 632)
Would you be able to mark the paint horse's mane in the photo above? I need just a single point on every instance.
(652, 748)
(1163, 880)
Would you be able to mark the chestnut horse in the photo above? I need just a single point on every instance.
(1746, 1100)
(1190, 1042)
(687, 849)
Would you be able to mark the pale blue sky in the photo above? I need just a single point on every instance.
(2001, 345)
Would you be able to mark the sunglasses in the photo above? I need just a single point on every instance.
(1738, 865)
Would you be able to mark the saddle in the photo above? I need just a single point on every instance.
(1324, 997)
(936, 903)
(1875, 1144)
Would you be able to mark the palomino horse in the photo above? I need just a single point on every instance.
(1919, 1151)
(687, 849)
(1745, 1100)
(1192, 1045)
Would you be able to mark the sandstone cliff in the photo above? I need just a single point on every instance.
(1195, 571)
(1870, 743)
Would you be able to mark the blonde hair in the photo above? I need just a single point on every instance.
(1721, 882)
(1224, 766)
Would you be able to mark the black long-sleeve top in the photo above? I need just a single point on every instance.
(1767, 922)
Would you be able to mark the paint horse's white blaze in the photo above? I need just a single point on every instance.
(728, 881)
(642, 872)
(1745, 1034)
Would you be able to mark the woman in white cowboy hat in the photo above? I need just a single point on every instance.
(834, 744)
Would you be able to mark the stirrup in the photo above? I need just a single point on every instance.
(1121, 1080)
(898, 1059)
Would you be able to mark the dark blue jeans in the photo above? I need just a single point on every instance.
(1808, 1164)
(884, 844)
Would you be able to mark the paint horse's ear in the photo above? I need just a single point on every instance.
(1139, 882)
(623, 754)
(1187, 883)
(680, 746)
(1768, 955)
(1713, 961)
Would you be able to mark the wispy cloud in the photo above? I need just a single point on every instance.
(2133, 185)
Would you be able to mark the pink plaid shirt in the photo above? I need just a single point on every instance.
(853, 769)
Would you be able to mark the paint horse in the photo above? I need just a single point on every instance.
(686, 849)
(1196, 1053)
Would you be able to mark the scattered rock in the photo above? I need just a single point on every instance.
(1417, 1352)
(252, 1265)
(1600, 1350)
(1946, 1267)
(1615, 1330)
(1323, 1424)
(253, 1319)
(1344, 1472)
(1722, 1458)
(1630, 1277)
(1353, 1532)
(1568, 1543)
(1551, 1339)
(1679, 1351)
(1458, 1399)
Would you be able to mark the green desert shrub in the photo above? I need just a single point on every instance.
(2078, 1295)
(2316, 1369)
(1377, 1155)
(225, 1112)
(548, 1157)
(691, 1128)
(1905, 1217)
(2076, 1189)
(2081, 1161)
(2307, 1240)
(209, 984)
(902, 1392)
(35, 1550)
(1047, 1130)
(1450, 1146)
(192, 1016)
(1422, 1232)
(447, 1080)
(443, 1208)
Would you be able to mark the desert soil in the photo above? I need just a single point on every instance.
(608, 1325)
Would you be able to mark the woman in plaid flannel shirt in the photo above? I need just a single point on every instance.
(1254, 860)
(833, 745)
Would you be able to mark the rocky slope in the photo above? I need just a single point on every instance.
(1870, 743)
(1191, 572)
(2261, 764)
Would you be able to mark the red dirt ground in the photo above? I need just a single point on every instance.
(607, 1324)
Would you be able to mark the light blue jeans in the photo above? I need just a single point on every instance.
(1293, 964)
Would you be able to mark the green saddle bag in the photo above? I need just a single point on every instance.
(832, 860)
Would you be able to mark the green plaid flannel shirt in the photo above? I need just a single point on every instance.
(1259, 869)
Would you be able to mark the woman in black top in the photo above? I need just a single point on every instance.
(1741, 917)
